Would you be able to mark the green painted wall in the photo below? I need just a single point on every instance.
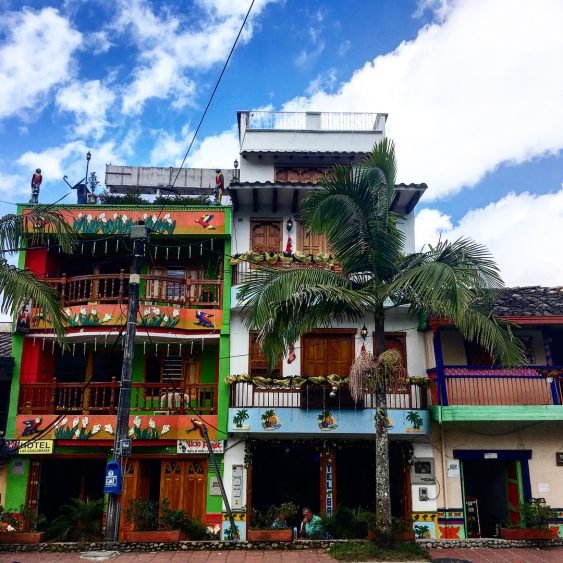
(214, 502)
(17, 346)
(209, 362)
(467, 413)
(225, 347)
(16, 485)
(138, 364)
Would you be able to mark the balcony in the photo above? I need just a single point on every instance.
(311, 409)
(54, 397)
(465, 393)
(114, 289)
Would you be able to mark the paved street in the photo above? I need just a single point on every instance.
(554, 555)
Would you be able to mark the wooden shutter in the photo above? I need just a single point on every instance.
(326, 353)
(310, 243)
(266, 235)
(195, 488)
(258, 365)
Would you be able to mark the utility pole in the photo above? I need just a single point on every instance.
(122, 444)
(201, 426)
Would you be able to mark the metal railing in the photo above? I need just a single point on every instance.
(101, 397)
(114, 288)
(473, 386)
(311, 396)
(303, 121)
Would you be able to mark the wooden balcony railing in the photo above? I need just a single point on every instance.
(473, 386)
(102, 398)
(114, 288)
(318, 397)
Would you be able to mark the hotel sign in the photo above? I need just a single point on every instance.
(31, 447)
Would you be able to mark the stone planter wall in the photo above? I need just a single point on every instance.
(493, 543)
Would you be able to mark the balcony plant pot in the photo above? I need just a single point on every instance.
(22, 537)
(275, 535)
(153, 536)
(526, 534)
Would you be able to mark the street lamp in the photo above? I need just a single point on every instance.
(88, 157)
(236, 173)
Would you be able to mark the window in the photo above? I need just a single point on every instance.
(266, 235)
(310, 243)
(324, 353)
(258, 365)
(300, 174)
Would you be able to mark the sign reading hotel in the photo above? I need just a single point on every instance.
(31, 447)
(104, 221)
(198, 447)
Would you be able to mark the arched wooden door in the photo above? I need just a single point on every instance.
(183, 483)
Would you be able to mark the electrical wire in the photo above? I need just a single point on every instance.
(209, 101)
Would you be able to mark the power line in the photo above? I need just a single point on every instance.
(209, 102)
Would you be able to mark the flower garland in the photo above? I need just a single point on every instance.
(295, 381)
(286, 258)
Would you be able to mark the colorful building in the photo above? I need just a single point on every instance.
(68, 397)
(497, 431)
(295, 432)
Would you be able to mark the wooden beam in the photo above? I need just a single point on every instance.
(295, 201)
(274, 200)
(255, 200)
(413, 201)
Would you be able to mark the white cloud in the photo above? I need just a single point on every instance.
(344, 47)
(170, 148)
(481, 88)
(324, 81)
(35, 57)
(170, 47)
(89, 101)
(216, 151)
(98, 42)
(12, 184)
(522, 231)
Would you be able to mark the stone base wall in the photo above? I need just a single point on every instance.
(493, 543)
(66, 547)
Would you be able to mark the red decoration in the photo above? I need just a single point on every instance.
(288, 247)
(291, 356)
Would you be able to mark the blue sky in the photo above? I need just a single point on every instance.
(473, 89)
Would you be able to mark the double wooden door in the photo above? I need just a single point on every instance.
(182, 481)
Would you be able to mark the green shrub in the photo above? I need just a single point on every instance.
(197, 200)
(143, 514)
(285, 512)
(78, 521)
(346, 523)
(132, 197)
(538, 515)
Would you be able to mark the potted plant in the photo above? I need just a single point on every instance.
(19, 526)
(273, 524)
(402, 530)
(536, 519)
(153, 522)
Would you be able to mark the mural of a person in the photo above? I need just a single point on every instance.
(219, 186)
(36, 180)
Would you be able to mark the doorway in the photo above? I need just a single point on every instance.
(493, 494)
(286, 473)
(64, 479)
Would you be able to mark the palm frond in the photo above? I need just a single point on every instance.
(34, 226)
(19, 287)
(381, 167)
(283, 305)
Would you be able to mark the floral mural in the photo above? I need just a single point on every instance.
(152, 317)
(86, 318)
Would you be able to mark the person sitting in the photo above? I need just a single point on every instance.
(312, 525)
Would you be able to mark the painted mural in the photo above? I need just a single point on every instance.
(296, 420)
(102, 427)
(93, 316)
(108, 221)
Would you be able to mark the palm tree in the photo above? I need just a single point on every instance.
(451, 280)
(19, 286)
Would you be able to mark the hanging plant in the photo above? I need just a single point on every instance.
(286, 258)
(321, 258)
(255, 256)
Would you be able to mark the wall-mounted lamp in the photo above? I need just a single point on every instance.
(364, 332)
(289, 225)
(235, 163)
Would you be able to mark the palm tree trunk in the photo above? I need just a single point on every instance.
(382, 485)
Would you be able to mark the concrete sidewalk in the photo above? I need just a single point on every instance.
(461, 555)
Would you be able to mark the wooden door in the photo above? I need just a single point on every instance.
(311, 243)
(135, 486)
(326, 353)
(171, 479)
(258, 365)
(183, 483)
(195, 488)
(266, 235)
